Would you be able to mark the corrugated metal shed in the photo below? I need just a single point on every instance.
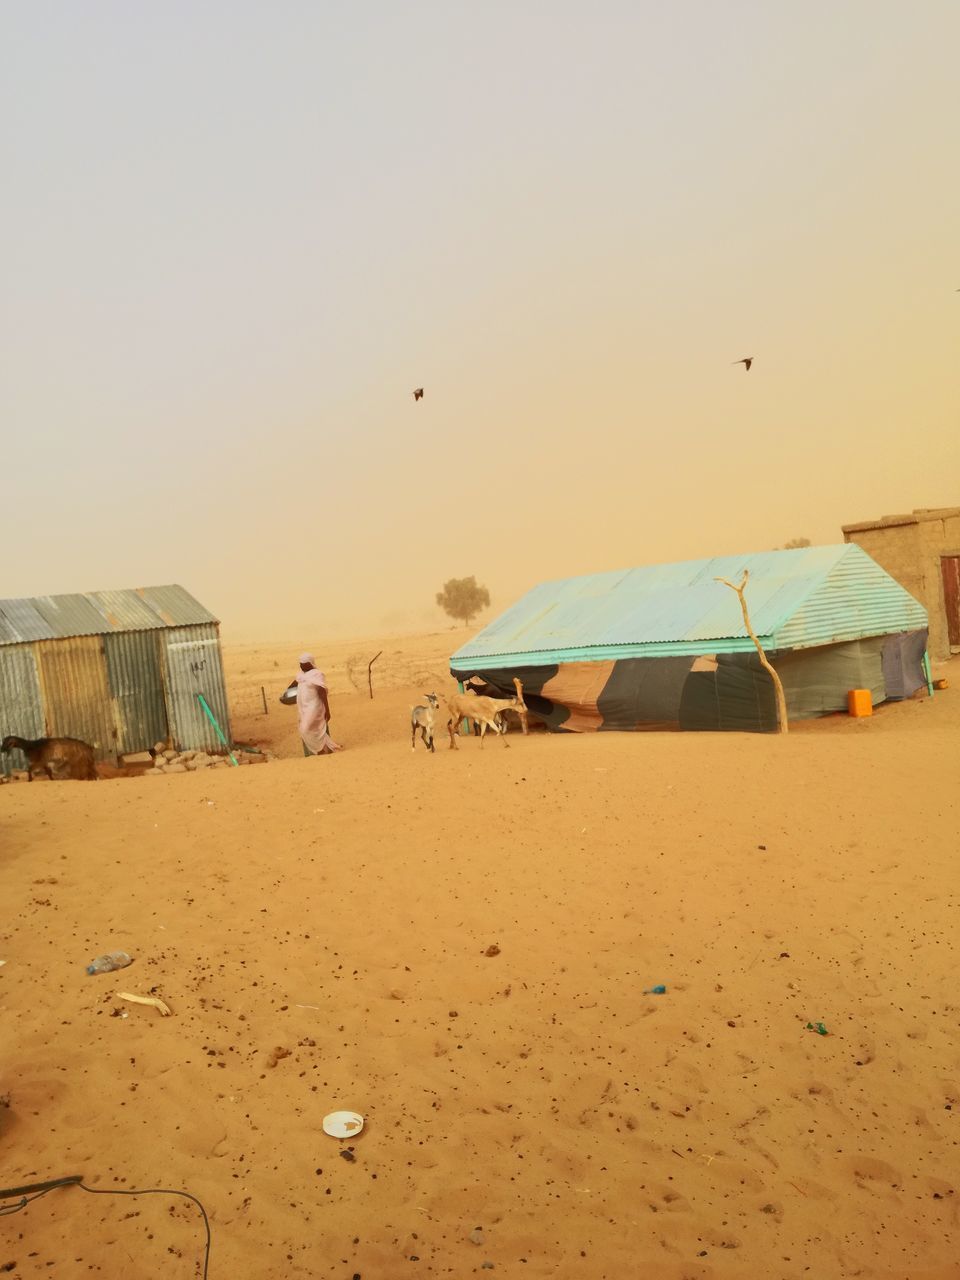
(96, 613)
(797, 599)
(118, 669)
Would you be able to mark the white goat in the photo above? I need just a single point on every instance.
(424, 719)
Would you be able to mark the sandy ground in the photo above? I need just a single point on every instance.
(342, 909)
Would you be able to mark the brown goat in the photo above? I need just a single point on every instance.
(467, 706)
(515, 704)
(58, 758)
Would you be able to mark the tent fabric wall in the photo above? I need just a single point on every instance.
(903, 664)
(720, 692)
(816, 681)
(736, 697)
(643, 691)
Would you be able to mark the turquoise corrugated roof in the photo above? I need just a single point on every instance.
(797, 599)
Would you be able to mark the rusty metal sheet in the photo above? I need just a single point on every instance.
(99, 613)
(71, 615)
(20, 622)
(126, 611)
(21, 709)
(176, 607)
(136, 689)
(192, 664)
(76, 694)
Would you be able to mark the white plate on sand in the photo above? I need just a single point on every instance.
(342, 1124)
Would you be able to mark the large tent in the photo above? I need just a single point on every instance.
(666, 646)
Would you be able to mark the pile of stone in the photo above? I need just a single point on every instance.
(166, 760)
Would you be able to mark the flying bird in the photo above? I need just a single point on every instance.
(418, 394)
(747, 361)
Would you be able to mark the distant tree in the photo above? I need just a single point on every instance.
(463, 598)
(794, 543)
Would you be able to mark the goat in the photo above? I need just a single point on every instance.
(424, 718)
(468, 706)
(58, 758)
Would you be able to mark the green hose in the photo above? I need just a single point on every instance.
(210, 716)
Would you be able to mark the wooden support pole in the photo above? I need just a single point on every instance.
(370, 673)
(777, 683)
(465, 728)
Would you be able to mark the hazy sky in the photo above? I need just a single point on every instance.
(237, 235)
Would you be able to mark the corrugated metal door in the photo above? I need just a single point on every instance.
(950, 566)
(76, 696)
(136, 686)
(192, 665)
(21, 709)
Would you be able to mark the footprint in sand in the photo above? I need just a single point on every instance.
(865, 1169)
(866, 1053)
(818, 1090)
(673, 1201)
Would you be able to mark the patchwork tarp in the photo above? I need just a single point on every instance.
(725, 691)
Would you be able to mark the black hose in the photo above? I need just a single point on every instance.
(34, 1190)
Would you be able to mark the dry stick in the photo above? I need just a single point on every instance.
(153, 1001)
(777, 683)
(263, 695)
(370, 673)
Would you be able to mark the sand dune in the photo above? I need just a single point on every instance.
(342, 909)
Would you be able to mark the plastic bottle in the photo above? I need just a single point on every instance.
(107, 964)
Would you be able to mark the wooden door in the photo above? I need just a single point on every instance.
(950, 565)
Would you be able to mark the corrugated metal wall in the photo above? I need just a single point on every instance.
(136, 687)
(76, 695)
(20, 700)
(857, 598)
(192, 664)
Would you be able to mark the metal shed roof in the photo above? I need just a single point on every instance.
(797, 599)
(95, 613)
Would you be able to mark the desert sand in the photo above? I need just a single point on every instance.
(459, 947)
